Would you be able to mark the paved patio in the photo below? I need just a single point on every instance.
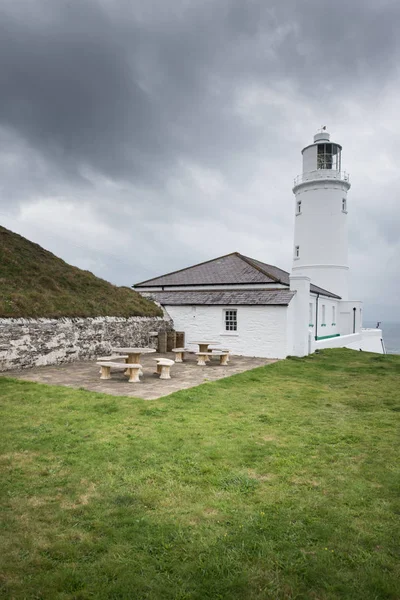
(85, 374)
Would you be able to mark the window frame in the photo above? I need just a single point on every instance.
(344, 205)
(231, 312)
(296, 252)
(329, 156)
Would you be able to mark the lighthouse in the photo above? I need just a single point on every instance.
(320, 249)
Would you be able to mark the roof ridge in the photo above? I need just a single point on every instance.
(250, 261)
(186, 268)
(328, 293)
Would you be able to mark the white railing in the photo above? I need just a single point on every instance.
(321, 174)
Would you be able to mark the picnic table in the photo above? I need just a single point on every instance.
(203, 347)
(133, 353)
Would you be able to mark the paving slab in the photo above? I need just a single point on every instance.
(85, 374)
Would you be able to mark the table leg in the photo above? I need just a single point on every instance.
(134, 358)
(207, 358)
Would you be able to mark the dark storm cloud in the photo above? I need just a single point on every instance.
(129, 92)
(128, 128)
(67, 87)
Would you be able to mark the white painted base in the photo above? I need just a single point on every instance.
(371, 341)
(368, 340)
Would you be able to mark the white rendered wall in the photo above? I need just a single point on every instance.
(346, 319)
(371, 341)
(300, 314)
(329, 326)
(368, 340)
(290, 329)
(262, 330)
(344, 341)
(321, 235)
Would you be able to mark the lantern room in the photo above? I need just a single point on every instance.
(322, 154)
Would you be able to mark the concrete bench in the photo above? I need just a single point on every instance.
(113, 357)
(163, 367)
(223, 356)
(133, 369)
(202, 358)
(217, 351)
(179, 354)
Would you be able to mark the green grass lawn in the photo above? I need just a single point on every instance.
(282, 482)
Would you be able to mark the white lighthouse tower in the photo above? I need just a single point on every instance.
(320, 237)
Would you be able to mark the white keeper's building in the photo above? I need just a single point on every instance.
(256, 309)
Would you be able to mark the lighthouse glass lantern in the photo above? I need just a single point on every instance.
(329, 156)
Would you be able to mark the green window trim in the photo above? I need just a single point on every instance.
(325, 337)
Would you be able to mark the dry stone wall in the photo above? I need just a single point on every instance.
(35, 342)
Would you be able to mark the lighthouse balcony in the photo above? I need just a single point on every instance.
(321, 174)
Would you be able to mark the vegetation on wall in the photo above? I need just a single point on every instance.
(36, 283)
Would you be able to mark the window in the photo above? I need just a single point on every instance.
(323, 316)
(310, 315)
(297, 251)
(231, 320)
(298, 209)
(324, 156)
(344, 205)
(333, 315)
(328, 156)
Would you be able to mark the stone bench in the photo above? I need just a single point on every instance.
(217, 351)
(179, 354)
(202, 358)
(223, 356)
(113, 357)
(163, 367)
(133, 370)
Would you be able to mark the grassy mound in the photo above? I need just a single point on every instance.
(36, 283)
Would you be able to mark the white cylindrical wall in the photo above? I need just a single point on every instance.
(310, 159)
(321, 236)
(320, 249)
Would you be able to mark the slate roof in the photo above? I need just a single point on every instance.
(279, 297)
(230, 269)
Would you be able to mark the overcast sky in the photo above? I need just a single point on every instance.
(138, 137)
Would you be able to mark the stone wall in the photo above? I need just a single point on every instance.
(35, 342)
